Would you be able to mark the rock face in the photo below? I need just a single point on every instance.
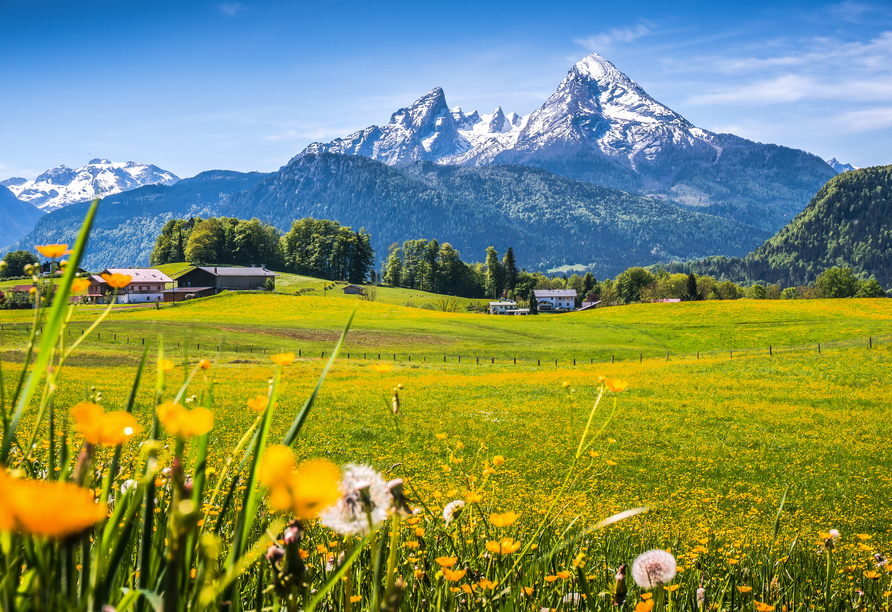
(601, 127)
(62, 186)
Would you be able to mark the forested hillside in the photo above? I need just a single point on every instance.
(848, 224)
(548, 219)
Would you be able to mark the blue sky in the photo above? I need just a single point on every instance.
(245, 85)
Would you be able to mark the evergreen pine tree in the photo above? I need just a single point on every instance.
(693, 293)
(509, 270)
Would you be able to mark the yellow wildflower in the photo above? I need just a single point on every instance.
(381, 368)
(505, 519)
(453, 575)
(33, 507)
(117, 281)
(283, 359)
(99, 427)
(52, 251)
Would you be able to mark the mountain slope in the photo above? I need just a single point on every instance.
(847, 223)
(62, 186)
(600, 127)
(17, 218)
(127, 223)
(547, 219)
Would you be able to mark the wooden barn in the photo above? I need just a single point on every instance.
(220, 279)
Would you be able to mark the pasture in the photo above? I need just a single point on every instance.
(709, 442)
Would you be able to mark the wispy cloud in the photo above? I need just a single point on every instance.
(231, 8)
(865, 120)
(605, 40)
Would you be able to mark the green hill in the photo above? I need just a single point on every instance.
(848, 224)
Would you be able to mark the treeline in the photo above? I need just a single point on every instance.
(312, 247)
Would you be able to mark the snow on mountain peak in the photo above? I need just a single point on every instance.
(839, 166)
(62, 185)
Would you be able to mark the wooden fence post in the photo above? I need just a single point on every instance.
(769, 350)
(640, 357)
(819, 347)
(870, 342)
(515, 361)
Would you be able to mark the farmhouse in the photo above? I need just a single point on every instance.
(225, 279)
(501, 307)
(148, 285)
(555, 299)
(353, 290)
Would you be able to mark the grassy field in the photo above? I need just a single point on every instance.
(710, 443)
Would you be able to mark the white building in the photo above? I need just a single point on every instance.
(555, 299)
(501, 307)
(147, 286)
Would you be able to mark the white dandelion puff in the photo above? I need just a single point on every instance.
(834, 534)
(127, 485)
(653, 568)
(363, 493)
(453, 510)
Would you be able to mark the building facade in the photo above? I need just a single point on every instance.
(555, 299)
(147, 285)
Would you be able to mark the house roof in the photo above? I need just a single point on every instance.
(221, 271)
(503, 303)
(142, 275)
(545, 293)
(21, 288)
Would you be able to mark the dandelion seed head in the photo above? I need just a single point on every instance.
(653, 568)
(363, 491)
(453, 510)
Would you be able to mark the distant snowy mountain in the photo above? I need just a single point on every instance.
(63, 185)
(601, 127)
(841, 167)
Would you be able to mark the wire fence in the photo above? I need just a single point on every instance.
(597, 355)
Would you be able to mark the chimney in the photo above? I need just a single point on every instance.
(215, 269)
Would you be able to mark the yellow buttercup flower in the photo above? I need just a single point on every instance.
(744, 589)
(204, 364)
(505, 547)
(166, 365)
(563, 575)
(616, 385)
(498, 460)
(80, 284)
(644, 606)
(117, 281)
(440, 436)
(381, 368)
(185, 423)
(453, 575)
(505, 519)
(46, 509)
(283, 359)
(99, 427)
(763, 607)
(445, 562)
(52, 251)
(473, 497)
(307, 491)
(258, 403)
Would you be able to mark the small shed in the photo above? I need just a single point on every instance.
(354, 290)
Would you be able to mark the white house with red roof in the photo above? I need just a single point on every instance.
(147, 286)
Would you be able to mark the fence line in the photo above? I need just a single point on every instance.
(769, 351)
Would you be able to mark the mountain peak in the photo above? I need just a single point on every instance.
(840, 167)
(61, 186)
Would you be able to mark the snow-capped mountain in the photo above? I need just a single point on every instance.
(63, 185)
(841, 167)
(428, 130)
(601, 127)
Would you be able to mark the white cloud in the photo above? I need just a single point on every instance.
(865, 120)
(231, 8)
(604, 40)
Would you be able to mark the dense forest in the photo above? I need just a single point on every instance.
(312, 247)
(847, 224)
